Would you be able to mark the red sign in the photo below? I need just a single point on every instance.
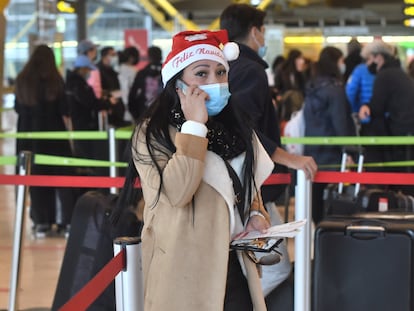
(139, 39)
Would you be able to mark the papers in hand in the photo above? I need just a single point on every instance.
(286, 230)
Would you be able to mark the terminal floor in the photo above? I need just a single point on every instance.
(40, 258)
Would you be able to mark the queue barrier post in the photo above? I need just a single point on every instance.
(24, 165)
(302, 273)
(129, 286)
(112, 156)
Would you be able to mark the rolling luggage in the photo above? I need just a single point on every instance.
(341, 200)
(90, 247)
(364, 262)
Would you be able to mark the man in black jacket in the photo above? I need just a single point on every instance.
(84, 107)
(248, 81)
(111, 88)
(391, 107)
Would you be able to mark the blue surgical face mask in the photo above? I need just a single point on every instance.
(262, 48)
(219, 96)
(262, 51)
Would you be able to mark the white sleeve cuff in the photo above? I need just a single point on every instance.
(194, 128)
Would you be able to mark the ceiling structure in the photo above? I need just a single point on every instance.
(369, 16)
(308, 13)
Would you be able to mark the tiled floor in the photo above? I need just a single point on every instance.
(41, 258)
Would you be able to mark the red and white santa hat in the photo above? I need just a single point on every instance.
(191, 46)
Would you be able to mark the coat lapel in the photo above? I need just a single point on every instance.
(217, 177)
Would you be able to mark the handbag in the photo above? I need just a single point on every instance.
(261, 245)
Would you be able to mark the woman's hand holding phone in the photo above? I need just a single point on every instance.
(192, 102)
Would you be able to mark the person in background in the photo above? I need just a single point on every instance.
(88, 48)
(353, 58)
(147, 84)
(40, 106)
(111, 88)
(249, 86)
(84, 108)
(290, 82)
(391, 107)
(327, 113)
(290, 75)
(276, 65)
(410, 68)
(190, 140)
(275, 70)
(359, 86)
(128, 59)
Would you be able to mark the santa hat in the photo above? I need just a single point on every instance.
(191, 46)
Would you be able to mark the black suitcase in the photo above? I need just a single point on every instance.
(90, 247)
(364, 263)
(346, 200)
(382, 200)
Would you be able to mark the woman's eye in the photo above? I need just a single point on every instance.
(201, 74)
(222, 72)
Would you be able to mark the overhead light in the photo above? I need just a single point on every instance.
(255, 2)
(65, 7)
(409, 10)
(304, 40)
(409, 22)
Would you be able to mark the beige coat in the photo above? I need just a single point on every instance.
(186, 236)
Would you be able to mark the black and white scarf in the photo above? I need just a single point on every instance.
(221, 140)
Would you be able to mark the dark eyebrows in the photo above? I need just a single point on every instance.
(219, 65)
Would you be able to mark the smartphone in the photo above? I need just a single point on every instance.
(181, 85)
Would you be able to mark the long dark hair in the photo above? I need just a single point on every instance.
(327, 65)
(157, 120)
(288, 71)
(39, 79)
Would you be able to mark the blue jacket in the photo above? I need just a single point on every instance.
(359, 87)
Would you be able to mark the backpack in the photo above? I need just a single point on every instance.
(295, 127)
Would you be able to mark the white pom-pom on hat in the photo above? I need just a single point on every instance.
(231, 51)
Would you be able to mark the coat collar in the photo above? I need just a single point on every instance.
(217, 177)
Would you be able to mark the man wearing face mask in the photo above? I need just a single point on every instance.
(248, 82)
(110, 86)
(84, 106)
(391, 106)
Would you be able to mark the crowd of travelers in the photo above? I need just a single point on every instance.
(93, 95)
(364, 91)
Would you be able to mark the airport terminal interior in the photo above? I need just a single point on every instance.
(308, 25)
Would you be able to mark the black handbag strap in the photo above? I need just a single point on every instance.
(238, 190)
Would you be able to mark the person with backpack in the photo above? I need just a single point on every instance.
(147, 84)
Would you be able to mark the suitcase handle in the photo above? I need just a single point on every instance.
(365, 232)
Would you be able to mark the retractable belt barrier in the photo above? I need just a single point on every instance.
(93, 289)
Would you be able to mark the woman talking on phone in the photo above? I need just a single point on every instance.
(180, 150)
